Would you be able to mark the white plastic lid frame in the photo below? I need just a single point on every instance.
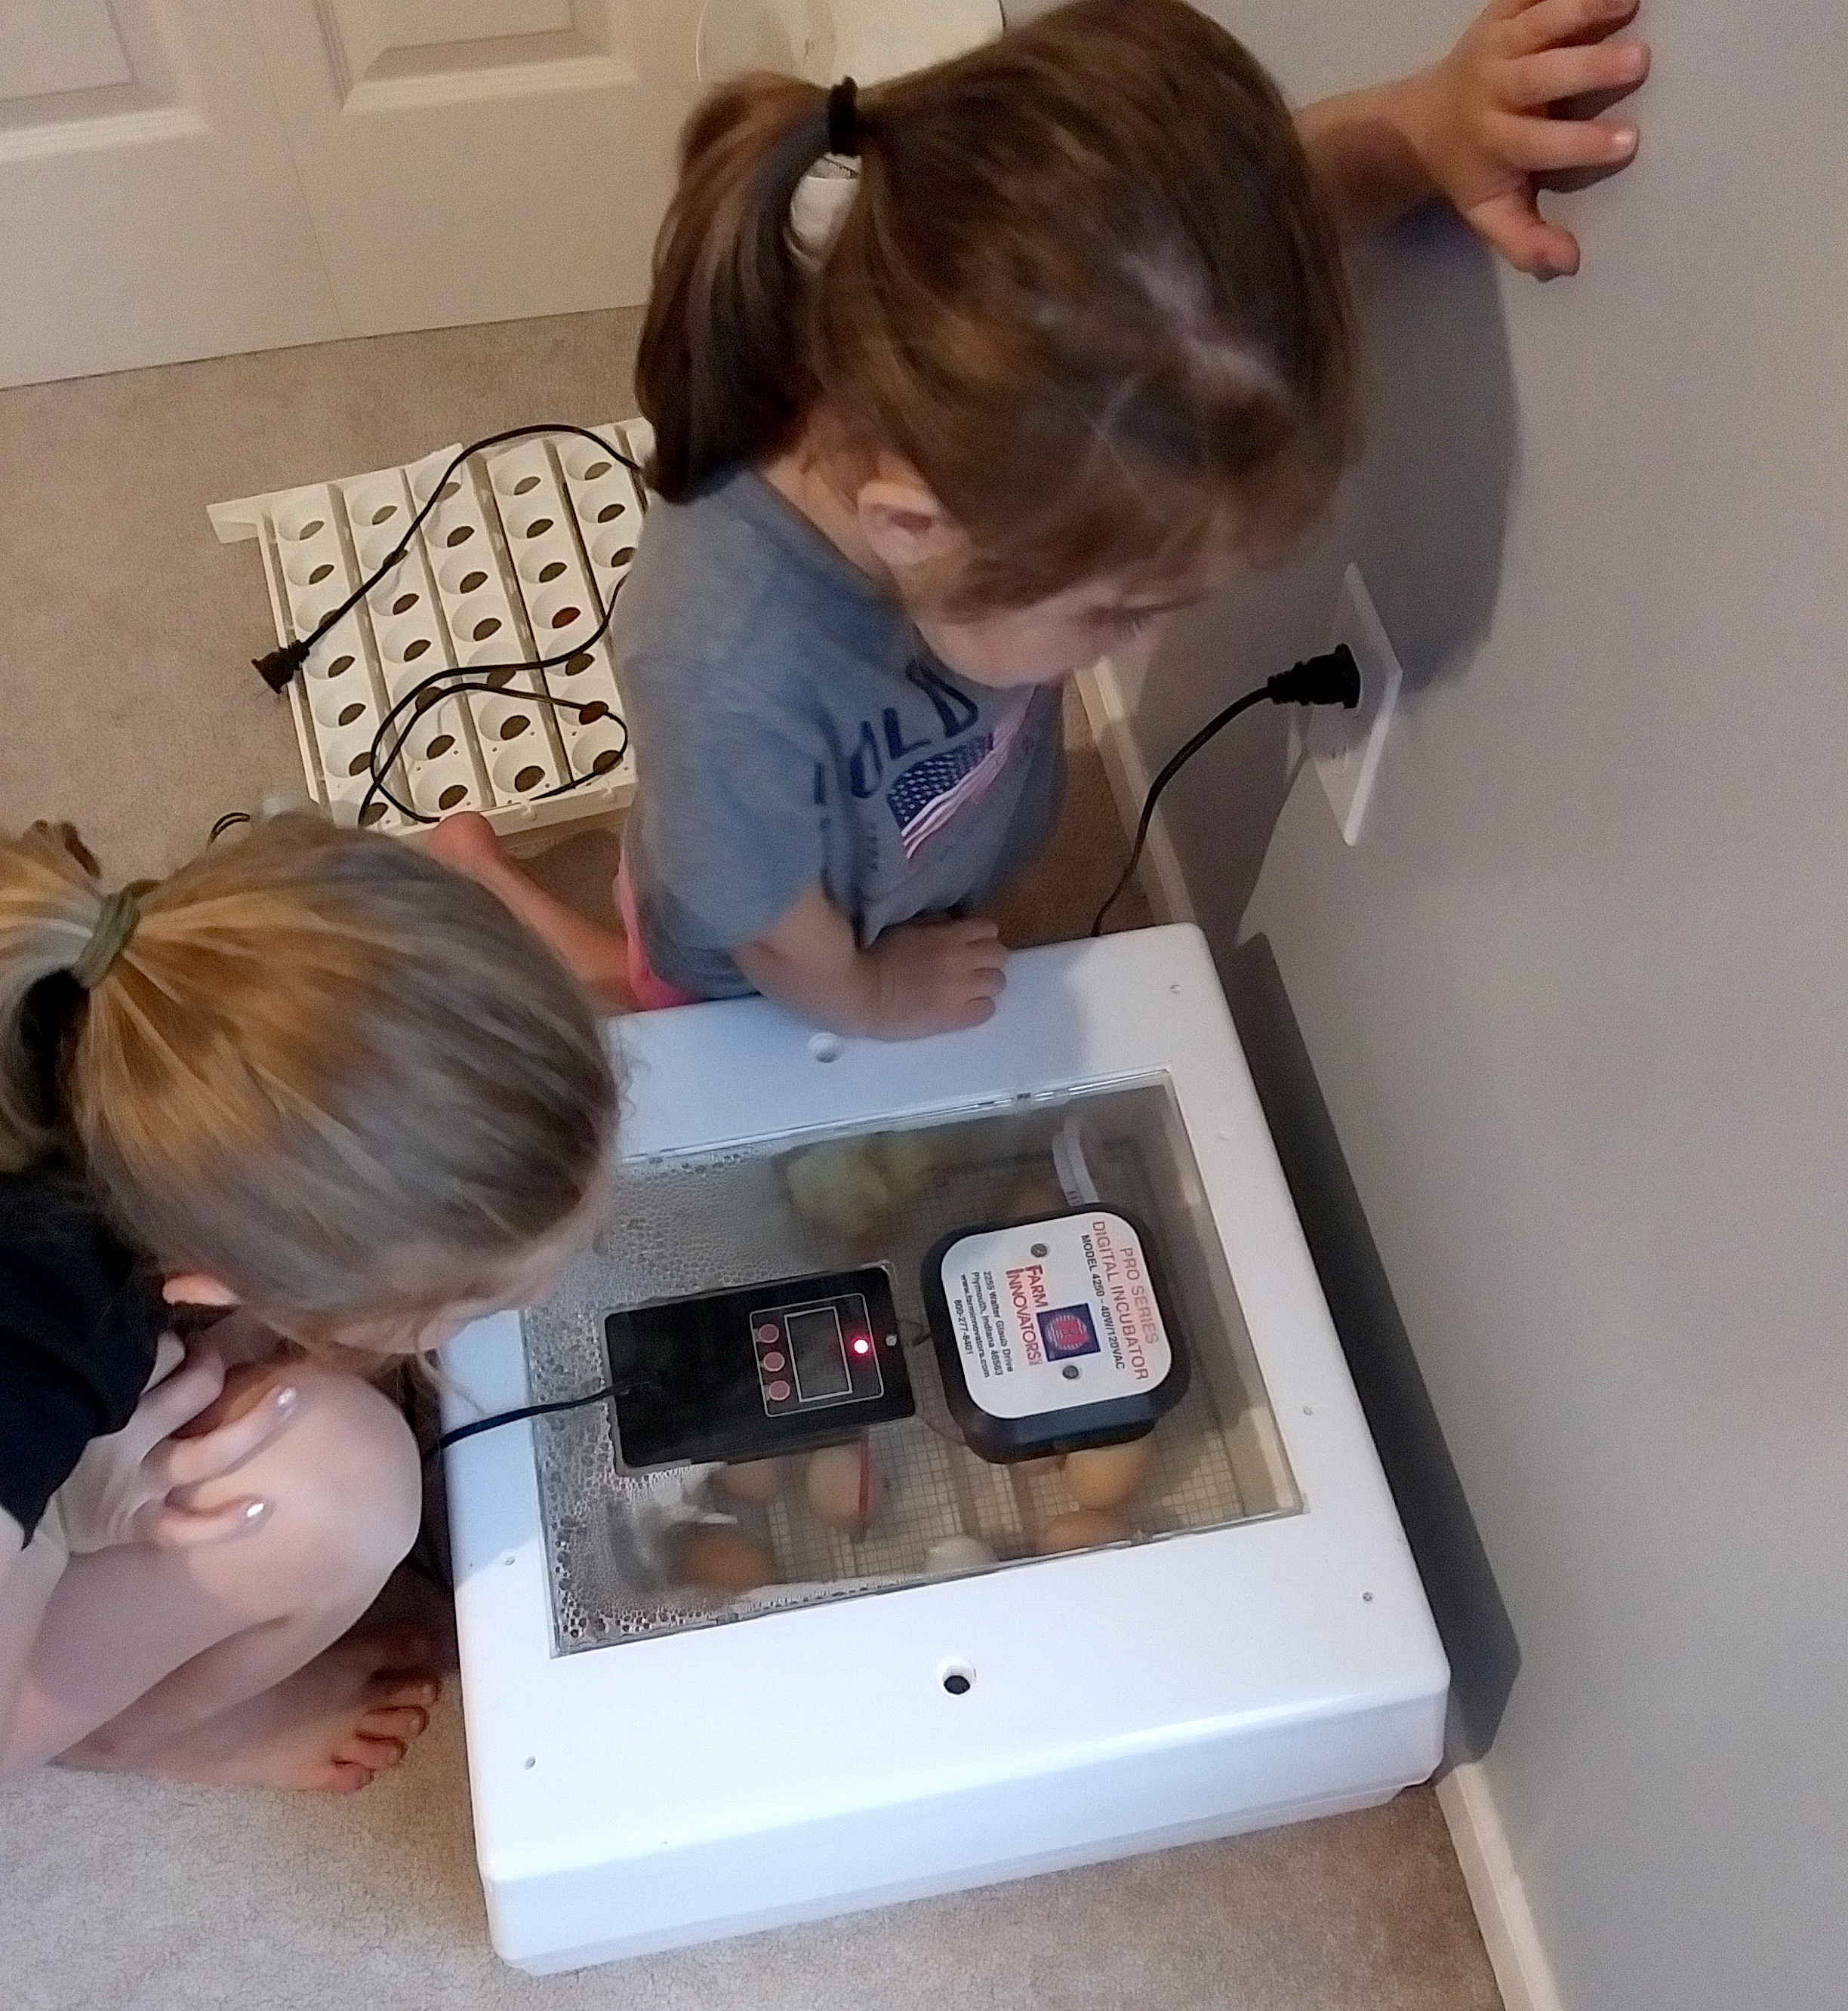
(520, 558)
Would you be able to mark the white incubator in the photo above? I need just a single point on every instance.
(965, 1480)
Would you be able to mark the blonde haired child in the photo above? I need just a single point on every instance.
(1078, 340)
(319, 1079)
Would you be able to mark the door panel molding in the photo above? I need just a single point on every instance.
(86, 136)
(384, 56)
(454, 174)
(48, 47)
(81, 75)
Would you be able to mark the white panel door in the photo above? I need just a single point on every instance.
(149, 210)
(481, 160)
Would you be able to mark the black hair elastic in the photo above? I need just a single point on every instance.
(843, 118)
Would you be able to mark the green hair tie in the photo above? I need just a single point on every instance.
(114, 925)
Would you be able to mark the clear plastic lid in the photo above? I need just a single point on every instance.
(633, 1555)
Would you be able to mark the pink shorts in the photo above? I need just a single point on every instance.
(652, 993)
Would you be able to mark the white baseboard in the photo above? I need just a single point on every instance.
(1160, 874)
(1522, 1971)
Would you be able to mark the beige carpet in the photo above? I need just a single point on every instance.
(130, 705)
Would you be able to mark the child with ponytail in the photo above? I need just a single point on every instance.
(1072, 338)
(318, 1079)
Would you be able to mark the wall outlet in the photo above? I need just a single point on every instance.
(1346, 746)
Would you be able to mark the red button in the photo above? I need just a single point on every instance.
(773, 1361)
(770, 1331)
(777, 1392)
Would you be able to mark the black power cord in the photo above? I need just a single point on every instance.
(469, 1430)
(279, 666)
(1332, 678)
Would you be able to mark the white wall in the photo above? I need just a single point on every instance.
(1562, 1050)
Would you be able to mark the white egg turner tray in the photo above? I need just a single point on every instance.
(520, 558)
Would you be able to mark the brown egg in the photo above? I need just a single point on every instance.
(724, 1559)
(1080, 1529)
(752, 1480)
(845, 1486)
(1106, 1476)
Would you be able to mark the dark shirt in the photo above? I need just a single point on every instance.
(80, 1318)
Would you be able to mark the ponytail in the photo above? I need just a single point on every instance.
(50, 905)
(721, 372)
(313, 1064)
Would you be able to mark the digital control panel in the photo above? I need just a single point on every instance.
(766, 1369)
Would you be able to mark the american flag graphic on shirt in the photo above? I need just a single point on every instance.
(925, 798)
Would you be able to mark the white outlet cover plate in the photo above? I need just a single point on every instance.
(1346, 746)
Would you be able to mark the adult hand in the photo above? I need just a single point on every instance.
(139, 1485)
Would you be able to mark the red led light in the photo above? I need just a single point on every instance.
(862, 1345)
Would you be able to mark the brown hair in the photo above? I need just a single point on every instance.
(324, 1069)
(1088, 287)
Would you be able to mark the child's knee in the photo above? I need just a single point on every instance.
(365, 1470)
(344, 1478)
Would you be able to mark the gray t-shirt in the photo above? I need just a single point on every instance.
(791, 726)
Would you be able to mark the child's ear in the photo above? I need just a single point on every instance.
(198, 1288)
(907, 528)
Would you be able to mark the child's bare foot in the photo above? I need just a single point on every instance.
(333, 1726)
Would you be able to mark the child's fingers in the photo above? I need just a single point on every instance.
(168, 1527)
(221, 1450)
(169, 1351)
(1545, 146)
(1597, 69)
(1548, 23)
(973, 1014)
(247, 1384)
(976, 980)
(979, 942)
(1523, 237)
(168, 1404)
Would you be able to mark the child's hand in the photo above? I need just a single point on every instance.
(135, 1485)
(1499, 118)
(921, 977)
(934, 977)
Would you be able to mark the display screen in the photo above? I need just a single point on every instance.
(816, 1348)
